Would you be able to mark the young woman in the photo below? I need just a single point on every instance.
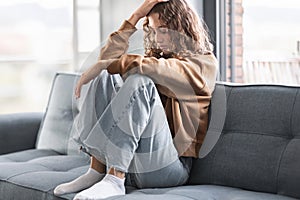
(145, 117)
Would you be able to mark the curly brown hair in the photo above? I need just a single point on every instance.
(191, 32)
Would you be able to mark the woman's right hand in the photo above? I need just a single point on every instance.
(143, 10)
(90, 74)
(84, 79)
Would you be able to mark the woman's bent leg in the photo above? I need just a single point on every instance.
(156, 162)
(101, 90)
(93, 103)
(132, 135)
(115, 138)
(120, 129)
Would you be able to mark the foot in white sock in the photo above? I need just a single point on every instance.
(84, 181)
(109, 186)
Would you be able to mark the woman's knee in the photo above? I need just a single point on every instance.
(138, 84)
(139, 79)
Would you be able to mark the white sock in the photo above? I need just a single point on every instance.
(82, 182)
(109, 186)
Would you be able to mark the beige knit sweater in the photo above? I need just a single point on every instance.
(185, 86)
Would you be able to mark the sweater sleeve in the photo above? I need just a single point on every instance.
(117, 42)
(182, 79)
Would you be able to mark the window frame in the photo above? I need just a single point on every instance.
(214, 14)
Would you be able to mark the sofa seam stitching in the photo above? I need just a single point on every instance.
(214, 158)
(292, 113)
(256, 133)
(283, 152)
(279, 164)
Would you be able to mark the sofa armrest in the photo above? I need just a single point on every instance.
(19, 131)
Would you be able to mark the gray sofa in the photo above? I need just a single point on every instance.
(257, 155)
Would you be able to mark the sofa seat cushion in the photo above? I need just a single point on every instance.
(35, 173)
(199, 192)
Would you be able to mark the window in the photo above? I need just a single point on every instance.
(35, 42)
(94, 20)
(40, 37)
(86, 29)
(263, 41)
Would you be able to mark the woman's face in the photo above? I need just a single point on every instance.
(161, 33)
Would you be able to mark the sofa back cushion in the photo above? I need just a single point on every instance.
(57, 123)
(259, 146)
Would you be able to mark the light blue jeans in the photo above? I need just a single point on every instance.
(132, 133)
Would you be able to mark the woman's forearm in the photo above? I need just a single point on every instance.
(96, 69)
(90, 74)
(133, 19)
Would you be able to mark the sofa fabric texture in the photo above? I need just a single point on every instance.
(57, 123)
(259, 147)
(23, 126)
(256, 156)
